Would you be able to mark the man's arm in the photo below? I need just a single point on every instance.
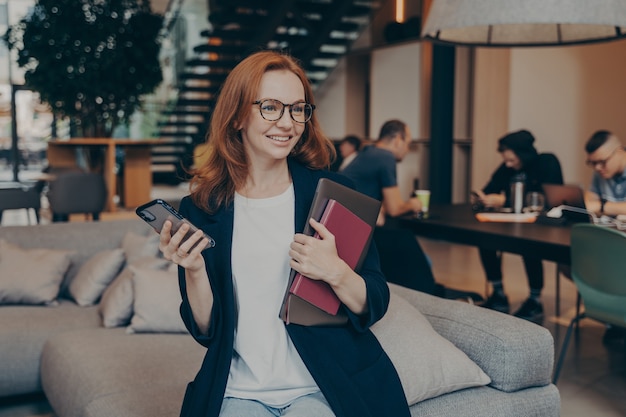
(395, 205)
(611, 208)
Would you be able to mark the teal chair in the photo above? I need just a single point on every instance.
(598, 270)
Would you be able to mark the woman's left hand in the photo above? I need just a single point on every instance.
(317, 258)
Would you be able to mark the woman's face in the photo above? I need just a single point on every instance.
(270, 141)
(511, 160)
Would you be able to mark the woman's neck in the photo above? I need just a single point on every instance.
(264, 182)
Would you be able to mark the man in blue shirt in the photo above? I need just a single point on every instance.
(607, 192)
(374, 170)
(607, 157)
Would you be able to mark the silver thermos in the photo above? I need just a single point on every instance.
(517, 195)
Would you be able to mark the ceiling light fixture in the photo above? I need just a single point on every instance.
(508, 23)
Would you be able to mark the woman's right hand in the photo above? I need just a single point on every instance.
(183, 253)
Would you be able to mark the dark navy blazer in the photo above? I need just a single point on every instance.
(347, 362)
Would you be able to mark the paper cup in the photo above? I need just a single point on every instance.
(424, 197)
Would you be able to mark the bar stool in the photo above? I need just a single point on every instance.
(16, 195)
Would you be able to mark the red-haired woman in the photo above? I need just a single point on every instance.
(252, 195)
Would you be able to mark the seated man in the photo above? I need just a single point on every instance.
(374, 170)
(607, 194)
(607, 157)
(348, 149)
(521, 161)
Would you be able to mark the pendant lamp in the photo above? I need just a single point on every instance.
(507, 23)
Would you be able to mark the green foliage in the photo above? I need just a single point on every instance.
(90, 60)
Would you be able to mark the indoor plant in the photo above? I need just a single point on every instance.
(90, 60)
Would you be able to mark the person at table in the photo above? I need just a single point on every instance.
(348, 149)
(607, 192)
(607, 157)
(374, 170)
(521, 161)
(252, 195)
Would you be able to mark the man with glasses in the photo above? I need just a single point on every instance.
(607, 192)
(374, 170)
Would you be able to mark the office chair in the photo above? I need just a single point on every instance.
(77, 192)
(598, 265)
(564, 270)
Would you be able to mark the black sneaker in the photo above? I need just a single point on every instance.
(498, 302)
(613, 335)
(531, 310)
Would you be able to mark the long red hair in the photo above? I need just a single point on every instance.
(226, 168)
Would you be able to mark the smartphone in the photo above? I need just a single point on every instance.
(156, 212)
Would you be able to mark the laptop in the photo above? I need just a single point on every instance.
(564, 195)
(569, 199)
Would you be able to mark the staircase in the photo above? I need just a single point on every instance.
(317, 32)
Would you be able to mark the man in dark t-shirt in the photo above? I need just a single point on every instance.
(374, 170)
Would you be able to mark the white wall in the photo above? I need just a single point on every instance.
(395, 94)
(394, 87)
(561, 94)
(565, 94)
(330, 101)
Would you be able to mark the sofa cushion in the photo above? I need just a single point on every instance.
(81, 367)
(428, 364)
(156, 302)
(95, 275)
(24, 330)
(138, 246)
(515, 353)
(116, 305)
(31, 276)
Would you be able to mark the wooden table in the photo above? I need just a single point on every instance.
(137, 175)
(456, 223)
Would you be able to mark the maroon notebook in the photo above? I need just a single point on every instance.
(352, 235)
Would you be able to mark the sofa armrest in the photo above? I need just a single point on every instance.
(515, 353)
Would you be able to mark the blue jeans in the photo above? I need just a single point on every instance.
(312, 405)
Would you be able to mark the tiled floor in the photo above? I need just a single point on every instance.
(593, 380)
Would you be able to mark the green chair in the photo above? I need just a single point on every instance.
(598, 265)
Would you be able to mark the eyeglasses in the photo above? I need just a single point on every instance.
(601, 162)
(272, 110)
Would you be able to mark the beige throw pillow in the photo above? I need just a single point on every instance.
(95, 275)
(137, 246)
(156, 302)
(31, 276)
(428, 364)
(116, 304)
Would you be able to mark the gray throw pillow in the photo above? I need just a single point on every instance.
(137, 246)
(428, 364)
(31, 276)
(116, 304)
(156, 302)
(95, 275)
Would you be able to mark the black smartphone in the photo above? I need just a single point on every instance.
(156, 212)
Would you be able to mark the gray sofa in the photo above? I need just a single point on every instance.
(87, 370)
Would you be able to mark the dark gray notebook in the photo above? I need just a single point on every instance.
(296, 310)
(364, 206)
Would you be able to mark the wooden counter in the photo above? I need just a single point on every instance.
(136, 177)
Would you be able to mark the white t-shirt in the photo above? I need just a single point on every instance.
(266, 366)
